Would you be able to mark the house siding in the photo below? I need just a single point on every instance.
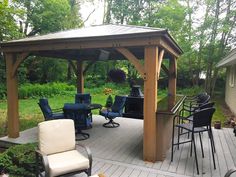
(230, 92)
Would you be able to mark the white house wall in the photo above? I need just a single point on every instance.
(230, 92)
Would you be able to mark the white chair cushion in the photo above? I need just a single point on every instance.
(56, 136)
(67, 162)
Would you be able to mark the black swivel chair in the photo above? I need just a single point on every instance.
(201, 123)
(115, 111)
(49, 113)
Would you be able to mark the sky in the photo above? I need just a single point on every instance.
(96, 17)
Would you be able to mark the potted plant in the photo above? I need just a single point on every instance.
(217, 124)
(109, 101)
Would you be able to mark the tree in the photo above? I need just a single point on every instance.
(8, 30)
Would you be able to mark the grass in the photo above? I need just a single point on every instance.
(30, 113)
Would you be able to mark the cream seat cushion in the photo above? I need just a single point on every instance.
(56, 136)
(67, 162)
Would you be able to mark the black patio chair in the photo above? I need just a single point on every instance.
(194, 104)
(80, 114)
(201, 123)
(83, 98)
(183, 118)
(49, 113)
(116, 110)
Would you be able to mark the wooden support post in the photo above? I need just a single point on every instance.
(12, 97)
(80, 77)
(172, 82)
(150, 104)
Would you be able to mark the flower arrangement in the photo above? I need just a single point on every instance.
(107, 91)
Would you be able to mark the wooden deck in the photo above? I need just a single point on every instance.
(117, 152)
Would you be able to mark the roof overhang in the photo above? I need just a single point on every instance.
(229, 60)
(94, 38)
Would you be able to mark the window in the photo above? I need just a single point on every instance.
(231, 76)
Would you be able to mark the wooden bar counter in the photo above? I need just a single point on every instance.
(166, 110)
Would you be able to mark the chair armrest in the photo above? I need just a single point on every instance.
(45, 160)
(230, 172)
(57, 110)
(88, 153)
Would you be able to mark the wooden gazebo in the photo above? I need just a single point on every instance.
(93, 43)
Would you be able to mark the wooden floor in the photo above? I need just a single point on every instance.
(117, 152)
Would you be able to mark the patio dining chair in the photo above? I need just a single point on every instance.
(183, 117)
(193, 104)
(49, 113)
(116, 110)
(201, 123)
(83, 98)
(58, 152)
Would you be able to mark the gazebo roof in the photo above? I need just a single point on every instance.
(69, 44)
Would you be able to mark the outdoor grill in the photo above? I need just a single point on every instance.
(134, 103)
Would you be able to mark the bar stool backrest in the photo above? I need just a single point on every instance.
(203, 99)
(207, 105)
(203, 117)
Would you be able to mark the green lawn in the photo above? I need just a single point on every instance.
(30, 113)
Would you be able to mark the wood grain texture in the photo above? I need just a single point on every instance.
(12, 97)
(150, 104)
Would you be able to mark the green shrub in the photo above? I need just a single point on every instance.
(19, 160)
(45, 90)
(3, 91)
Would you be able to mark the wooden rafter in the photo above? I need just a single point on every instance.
(168, 48)
(160, 58)
(165, 69)
(20, 58)
(133, 60)
(88, 66)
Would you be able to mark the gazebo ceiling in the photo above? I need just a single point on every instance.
(95, 42)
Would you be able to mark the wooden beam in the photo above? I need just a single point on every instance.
(172, 77)
(80, 77)
(150, 104)
(12, 97)
(165, 69)
(20, 58)
(168, 48)
(133, 60)
(160, 58)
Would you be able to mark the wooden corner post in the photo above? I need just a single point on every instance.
(172, 77)
(12, 97)
(172, 82)
(80, 77)
(150, 104)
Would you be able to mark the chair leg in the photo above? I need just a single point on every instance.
(178, 136)
(172, 142)
(89, 171)
(212, 150)
(212, 138)
(111, 124)
(200, 137)
(191, 149)
(195, 152)
(83, 136)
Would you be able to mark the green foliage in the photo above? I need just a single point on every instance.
(19, 160)
(45, 90)
(109, 101)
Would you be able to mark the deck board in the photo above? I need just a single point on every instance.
(118, 152)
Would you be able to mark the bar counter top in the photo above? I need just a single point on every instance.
(169, 104)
